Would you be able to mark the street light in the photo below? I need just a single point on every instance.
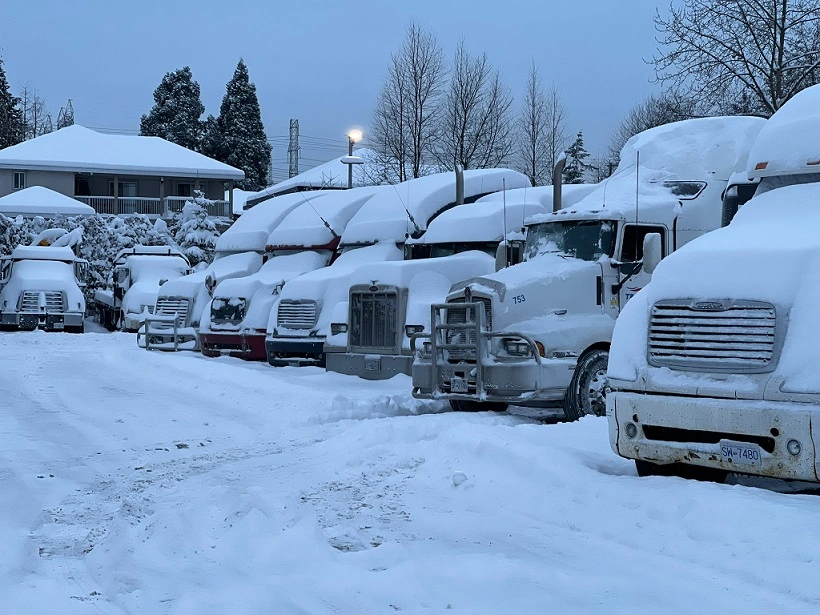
(353, 136)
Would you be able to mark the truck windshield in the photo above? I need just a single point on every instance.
(588, 240)
(434, 250)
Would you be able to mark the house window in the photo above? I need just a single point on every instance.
(184, 189)
(19, 180)
(125, 188)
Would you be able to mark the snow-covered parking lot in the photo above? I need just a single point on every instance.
(145, 482)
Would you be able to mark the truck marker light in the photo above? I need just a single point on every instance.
(761, 166)
(631, 430)
(541, 350)
(338, 327)
(813, 163)
(794, 447)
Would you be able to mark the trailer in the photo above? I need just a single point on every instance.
(40, 288)
(307, 308)
(714, 367)
(538, 333)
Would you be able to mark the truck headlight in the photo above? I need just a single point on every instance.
(427, 349)
(516, 348)
(411, 330)
(338, 327)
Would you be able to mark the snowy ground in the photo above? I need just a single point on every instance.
(137, 482)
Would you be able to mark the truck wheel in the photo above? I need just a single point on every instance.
(586, 393)
(681, 470)
(466, 405)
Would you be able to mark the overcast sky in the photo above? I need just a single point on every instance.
(320, 61)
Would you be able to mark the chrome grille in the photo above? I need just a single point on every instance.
(296, 314)
(52, 300)
(373, 319)
(457, 315)
(170, 307)
(728, 336)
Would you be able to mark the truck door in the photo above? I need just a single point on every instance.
(632, 252)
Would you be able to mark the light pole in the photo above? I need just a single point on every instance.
(353, 136)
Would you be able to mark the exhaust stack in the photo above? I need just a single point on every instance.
(459, 185)
(557, 180)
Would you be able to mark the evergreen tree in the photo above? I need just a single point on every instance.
(11, 116)
(195, 233)
(577, 167)
(241, 138)
(176, 112)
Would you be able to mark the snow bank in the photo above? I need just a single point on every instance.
(384, 216)
(39, 201)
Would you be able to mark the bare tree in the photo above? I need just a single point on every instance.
(476, 124)
(532, 131)
(556, 129)
(36, 119)
(655, 110)
(746, 56)
(405, 116)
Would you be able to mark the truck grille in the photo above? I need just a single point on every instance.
(52, 300)
(723, 336)
(373, 319)
(228, 310)
(296, 314)
(458, 315)
(167, 306)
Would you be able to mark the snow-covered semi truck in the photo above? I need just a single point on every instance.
(389, 302)
(235, 321)
(136, 279)
(40, 288)
(239, 253)
(538, 333)
(715, 366)
(307, 306)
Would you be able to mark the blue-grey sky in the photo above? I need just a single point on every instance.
(321, 61)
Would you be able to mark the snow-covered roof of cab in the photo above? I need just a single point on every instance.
(251, 231)
(541, 195)
(383, 218)
(674, 160)
(789, 144)
(43, 253)
(79, 149)
(303, 227)
(40, 201)
(141, 250)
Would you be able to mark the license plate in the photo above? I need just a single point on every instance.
(458, 385)
(740, 453)
(372, 365)
(58, 325)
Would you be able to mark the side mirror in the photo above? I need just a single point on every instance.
(651, 252)
(501, 256)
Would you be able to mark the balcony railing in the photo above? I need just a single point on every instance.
(150, 206)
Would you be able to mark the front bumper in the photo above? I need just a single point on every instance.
(506, 381)
(163, 338)
(248, 346)
(49, 321)
(673, 429)
(295, 351)
(369, 366)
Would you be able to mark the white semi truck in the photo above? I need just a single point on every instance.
(538, 333)
(174, 325)
(308, 305)
(390, 302)
(235, 321)
(40, 288)
(136, 279)
(714, 366)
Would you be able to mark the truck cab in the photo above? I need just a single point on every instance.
(40, 287)
(136, 279)
(307, 308)
(538, 333)
(714, 366)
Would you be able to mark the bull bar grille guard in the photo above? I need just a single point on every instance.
(145, 330)
(440, 339)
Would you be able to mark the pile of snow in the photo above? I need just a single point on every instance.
(76, 148)
(40, 201)
(251, 231)
(385, 215)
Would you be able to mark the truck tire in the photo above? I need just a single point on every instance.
(467, 405)
(586, 394)
(681, 470)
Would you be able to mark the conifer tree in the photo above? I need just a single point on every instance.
(11, 116)
(176, 112)
(239, 139)
(577, 167)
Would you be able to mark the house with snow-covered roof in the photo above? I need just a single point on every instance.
(118, 174)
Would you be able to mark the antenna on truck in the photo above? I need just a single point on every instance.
(504, 209)
(407, 211)
(330, 228)
(637, 192)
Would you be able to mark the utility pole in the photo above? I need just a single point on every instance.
(293, 149)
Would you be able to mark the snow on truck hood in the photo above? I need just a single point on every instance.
(251, 231)
(770, 252)
(43, 275)
(276, 270)
(229, 266)
(384, 216)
